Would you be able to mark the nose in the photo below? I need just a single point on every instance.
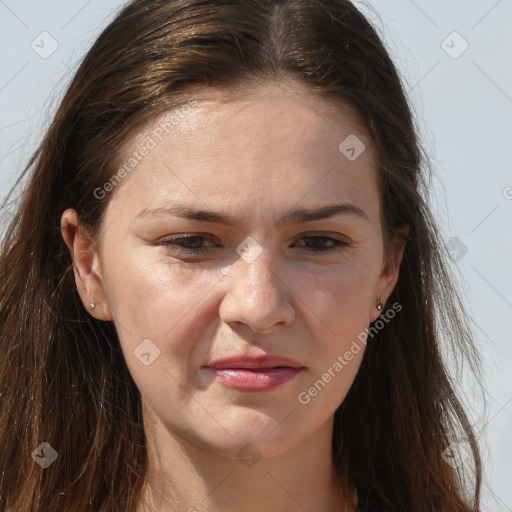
(257, 296)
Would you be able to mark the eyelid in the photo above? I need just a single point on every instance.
(307, 234)
(339, 243)
(185, 236)
(174, 240)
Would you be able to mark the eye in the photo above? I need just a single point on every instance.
(323, 244)
(192, 245)
(188, 245)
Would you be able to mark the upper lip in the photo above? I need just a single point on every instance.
(265, 361)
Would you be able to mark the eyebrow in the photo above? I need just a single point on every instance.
(295, 216)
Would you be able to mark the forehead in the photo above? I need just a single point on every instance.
(276, 109)
(277, 141)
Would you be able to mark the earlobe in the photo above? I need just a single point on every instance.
(86, 266)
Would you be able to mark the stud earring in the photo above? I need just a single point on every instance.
(92, 305)
(379, 304)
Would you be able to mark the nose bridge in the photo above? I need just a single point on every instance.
(254, 274)
(256, 294)
(259, 276)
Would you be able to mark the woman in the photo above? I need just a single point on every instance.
(223, 289)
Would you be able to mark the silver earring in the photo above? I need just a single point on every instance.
(92, 305)
(379, 304)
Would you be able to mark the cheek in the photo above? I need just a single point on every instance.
(328, 387)
(340, 299)
(140, 284)
(152, 298)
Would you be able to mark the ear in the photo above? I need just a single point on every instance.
(86, 265)
(389, 274)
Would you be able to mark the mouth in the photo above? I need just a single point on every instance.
(255, 379)
(255, 374)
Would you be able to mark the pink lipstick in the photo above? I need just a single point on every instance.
(255, 373)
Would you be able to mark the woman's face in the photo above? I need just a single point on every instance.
(259, 274)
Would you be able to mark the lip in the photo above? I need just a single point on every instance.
(255, 373)
(265, 361)
(261, 379)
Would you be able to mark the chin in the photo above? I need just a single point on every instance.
(256, 435)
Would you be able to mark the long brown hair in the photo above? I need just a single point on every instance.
(63, 378)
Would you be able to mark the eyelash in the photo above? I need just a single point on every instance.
(179, 239)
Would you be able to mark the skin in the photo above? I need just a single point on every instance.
(254, 156)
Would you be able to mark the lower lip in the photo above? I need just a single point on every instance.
(257, 379)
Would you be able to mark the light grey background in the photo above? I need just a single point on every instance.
(463, 104)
